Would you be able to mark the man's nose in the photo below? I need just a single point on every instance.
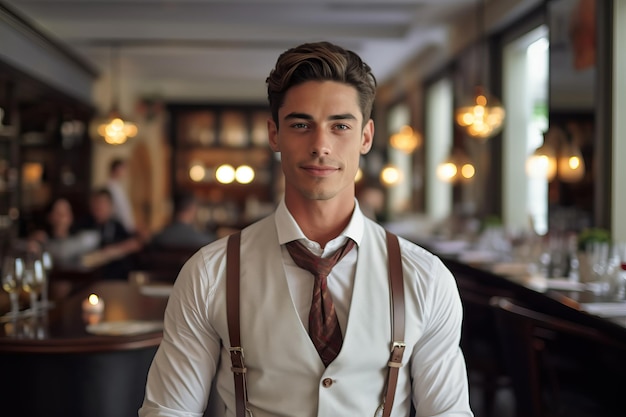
(320, 142)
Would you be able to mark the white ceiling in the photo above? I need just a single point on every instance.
(224, 49)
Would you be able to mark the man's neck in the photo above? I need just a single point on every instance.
(321, 220)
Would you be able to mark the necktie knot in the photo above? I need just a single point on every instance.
(316, 265)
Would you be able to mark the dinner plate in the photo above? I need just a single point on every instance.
(156, 290)
(123, 328)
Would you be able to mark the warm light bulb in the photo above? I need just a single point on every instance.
(225, 174)
(446, 171)
(406, 140)
(359, 175)
(244, 174)
(390, 175)
(197, 173)
(468, 171)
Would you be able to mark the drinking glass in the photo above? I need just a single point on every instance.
(12, 274)
(33, 281)
(46, 260)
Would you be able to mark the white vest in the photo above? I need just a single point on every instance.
(285, 375)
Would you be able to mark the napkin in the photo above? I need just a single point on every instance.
(605, 309)
(156, 290)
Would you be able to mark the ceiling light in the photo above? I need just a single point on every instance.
(482, 115)
(114, 129)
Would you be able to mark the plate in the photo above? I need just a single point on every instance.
(154, 290)
(124, 328)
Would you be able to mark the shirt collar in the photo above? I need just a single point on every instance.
(288, 229)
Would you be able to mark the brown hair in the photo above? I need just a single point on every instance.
(321, 61)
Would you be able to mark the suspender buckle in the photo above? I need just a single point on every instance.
(397, 350)
(397, 344)
(236, 357)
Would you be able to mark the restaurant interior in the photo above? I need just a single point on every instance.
(496, 148)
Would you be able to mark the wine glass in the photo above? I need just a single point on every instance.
(33, 281)
(12, 274)
(46, 260)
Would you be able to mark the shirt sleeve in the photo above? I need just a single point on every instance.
(179, 380)
(438, 371)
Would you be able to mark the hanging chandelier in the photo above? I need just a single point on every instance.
(114, 129)
(406, 140)
(481, 116)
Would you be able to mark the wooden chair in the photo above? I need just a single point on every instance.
(479, 340)
(162, 263)
(560, 367)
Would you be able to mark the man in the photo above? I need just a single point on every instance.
(181, 232)
(320, 98)
(116, 244)
(122, 209)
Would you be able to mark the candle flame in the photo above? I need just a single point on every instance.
(93, 299)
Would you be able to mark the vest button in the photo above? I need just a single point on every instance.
(327, 382)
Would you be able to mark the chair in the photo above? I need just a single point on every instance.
(560, 367)
(163, 263)
(479, 340)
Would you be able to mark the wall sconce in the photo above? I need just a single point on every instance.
(557, 155)
(406, 140)
(223, 174)
(456, 168)
(390, 175)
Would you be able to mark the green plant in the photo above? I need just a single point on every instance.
(592, 235)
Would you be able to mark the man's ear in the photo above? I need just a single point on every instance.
(367, 138)
(272, 133)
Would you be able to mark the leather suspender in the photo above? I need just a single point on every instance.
(396, 284)
(232, 310)
(238, 367)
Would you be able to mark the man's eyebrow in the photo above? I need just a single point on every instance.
(298, 116)
(345, 116)
(304, 116)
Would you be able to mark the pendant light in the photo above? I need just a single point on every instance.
(113, 128)
(458, 167)
(482, 115)
(557, 156)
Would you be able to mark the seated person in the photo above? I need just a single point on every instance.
(181, 232)
(59, 235)
(116, 244)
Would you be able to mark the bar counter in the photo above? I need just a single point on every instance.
(52, 366)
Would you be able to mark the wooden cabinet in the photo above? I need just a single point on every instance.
(9, 120)
(45, 152)
(221, 152)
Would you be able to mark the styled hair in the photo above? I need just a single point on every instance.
(115, 164)
(183, 201)
(102, 192)
(321, 61)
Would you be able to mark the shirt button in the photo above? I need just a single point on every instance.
(327, 382)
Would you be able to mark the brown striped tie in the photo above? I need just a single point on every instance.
(324, 328)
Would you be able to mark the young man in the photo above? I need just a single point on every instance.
(121, 203)
(321, 98)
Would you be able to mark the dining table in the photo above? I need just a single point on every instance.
(583, 302)
(73, 359)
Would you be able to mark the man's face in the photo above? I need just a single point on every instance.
(321, 138)
(101, 208)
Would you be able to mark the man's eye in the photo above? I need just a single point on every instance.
(299, 125)
(342, 126)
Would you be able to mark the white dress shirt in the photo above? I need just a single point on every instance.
(193, 346)
(122, 209)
